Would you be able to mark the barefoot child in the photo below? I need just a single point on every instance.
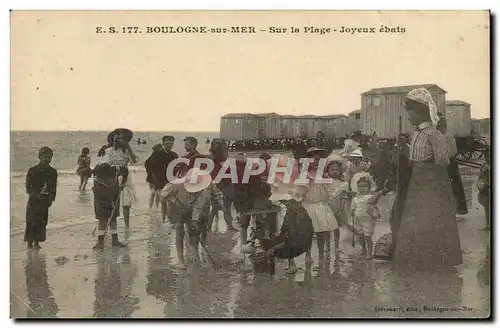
(189, 204)
(315, 200)
(84, 170)
(107, 201)
(41, 186)
(364, 211)
(154, 196)
(337, 189)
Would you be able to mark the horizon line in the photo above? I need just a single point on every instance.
(107, 131)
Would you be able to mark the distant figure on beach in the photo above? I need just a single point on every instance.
(144, 142)
(207, 141)
(107, 201)
(139, 142)
(119, 153)
(84, 170)
(41, 186)
(154, 195)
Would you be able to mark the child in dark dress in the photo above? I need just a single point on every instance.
(41, 186)
(107, 201)
(84, 170)
(295, 237)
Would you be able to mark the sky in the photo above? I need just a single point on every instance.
(65, 76)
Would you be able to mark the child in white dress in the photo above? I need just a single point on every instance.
(315, 201)
(337, 190)
(364, 210)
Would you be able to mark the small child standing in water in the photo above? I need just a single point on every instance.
(364, 211)
(84, 170)
(337, 189)
(107, 201)
(41, 187)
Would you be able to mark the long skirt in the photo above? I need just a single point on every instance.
(457, 187)
(322, 216)
(428, 235)
(128, 195)
(37, 216)
(404, 176)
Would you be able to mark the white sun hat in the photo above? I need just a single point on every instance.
(203, 180)
(355, 153)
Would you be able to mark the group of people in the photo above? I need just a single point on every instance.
(423, 216)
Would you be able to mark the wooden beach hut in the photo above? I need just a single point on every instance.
(269, 126)
(328, 125)
(307, 125)
(354, 121)
(287, 127)
(458, 117)
(382, 109)
(239, 127)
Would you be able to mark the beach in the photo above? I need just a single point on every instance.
(140, 282)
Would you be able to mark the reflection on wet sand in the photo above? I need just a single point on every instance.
(345, 287)
(186, 294)
(41, 301)
(115, 275)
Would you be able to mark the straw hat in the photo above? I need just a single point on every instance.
(128, 134)
(202, 181)
(355, 153)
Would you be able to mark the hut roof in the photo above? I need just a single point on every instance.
(267, 114)
(456, 102)
(400, 89)
(237, 115)
(357, 111)
(287, 116)
(307, 116)
(332, 117)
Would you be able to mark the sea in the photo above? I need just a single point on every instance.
(71, 206)
(67, 146)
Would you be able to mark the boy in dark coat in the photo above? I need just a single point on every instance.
(107, 201)
(41, 186)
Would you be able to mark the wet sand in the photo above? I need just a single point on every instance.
(142, 282)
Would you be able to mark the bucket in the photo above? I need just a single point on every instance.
(263, 264)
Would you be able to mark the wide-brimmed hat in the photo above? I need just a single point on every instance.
(334, 157)
(313, 150)
(202, 181)
(355, 153)
(126, 132)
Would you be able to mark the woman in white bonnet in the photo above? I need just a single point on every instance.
(427, 236)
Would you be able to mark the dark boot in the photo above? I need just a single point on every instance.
(115, 242)
(100, 243)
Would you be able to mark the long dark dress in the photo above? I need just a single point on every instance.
(457, 187)
(400, 179)
(39, 178)
(428, 236)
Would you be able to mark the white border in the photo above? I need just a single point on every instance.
(149, 4)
